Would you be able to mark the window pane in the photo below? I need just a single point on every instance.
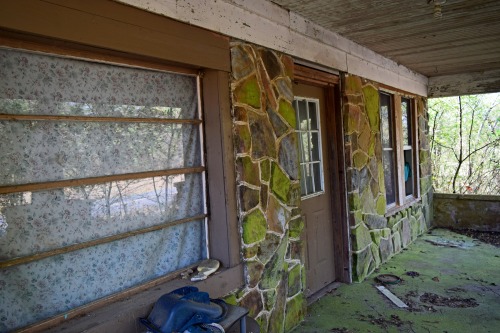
(315, 146)
(305, 144)
(408, 171)
(310, 145)
(313, 115)
(406, 118)
(44, 288)
(302, 115)
(39, 151)
(46, 220)
(308, 178)
(389, 176)
(386, 120)
(47, 85)
(318, 184)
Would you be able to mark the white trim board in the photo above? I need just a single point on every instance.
(264, 23)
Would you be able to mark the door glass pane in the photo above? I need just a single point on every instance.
(313, 115)
(318, 181)
(308, 130)
(315, 153)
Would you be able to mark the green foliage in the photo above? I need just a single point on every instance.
(465, 143)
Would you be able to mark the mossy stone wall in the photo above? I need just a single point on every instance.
(268, 187)
(374, 237)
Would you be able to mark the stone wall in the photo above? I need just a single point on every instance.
(268, 187)
(467, 211)
(374, 237)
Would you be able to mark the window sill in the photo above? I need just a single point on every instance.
(396, 209)
(121, 315)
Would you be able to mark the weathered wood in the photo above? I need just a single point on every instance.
(467, 83)
(96, 180)
(110, 25)
(96, 242)
(88, 119)
(223, 227)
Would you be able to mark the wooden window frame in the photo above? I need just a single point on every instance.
(403, 201)
(127, 36)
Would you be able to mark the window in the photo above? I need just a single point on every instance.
(398, 148)
(308, 131)
(102, 185)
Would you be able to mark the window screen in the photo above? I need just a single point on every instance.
(386, 115)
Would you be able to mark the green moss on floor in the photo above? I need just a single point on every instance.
(470, 274)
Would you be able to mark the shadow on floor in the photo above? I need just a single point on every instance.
(450, 282)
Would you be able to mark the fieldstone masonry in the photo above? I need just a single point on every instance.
(268, 187)
(374, 237)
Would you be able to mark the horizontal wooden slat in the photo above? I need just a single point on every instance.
(100, 241)
(96, 180)
(28, 117)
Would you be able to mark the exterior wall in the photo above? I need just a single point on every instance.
(268, 187)
(376, 237)
(265, 23)
(478, 212)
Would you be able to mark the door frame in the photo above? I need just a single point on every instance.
(336, 163)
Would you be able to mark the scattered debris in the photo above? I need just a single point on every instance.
(393, 298)
(456, 290)
(186, 274)
(205, 268)
(490, 237)
(413, 274)
(341, 330)
(451, 302)
(384, 323)
(388, 279)
(439, 241)
(436, 279)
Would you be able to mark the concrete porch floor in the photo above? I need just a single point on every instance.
(454, 289)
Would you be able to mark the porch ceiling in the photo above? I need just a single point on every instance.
(459, 52)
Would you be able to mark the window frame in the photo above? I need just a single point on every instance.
(402, 200)
(320, 147)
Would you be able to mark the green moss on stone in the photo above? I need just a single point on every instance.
(269, 299)
(354, 201)
(247, 170)
(265, 170)
(353, 84)
(376, 236)
(360, 237)
(248, 92)
(254, 227)
(286, 110)
(375, 254)
(294, 284)
(351, 119)
(275, 268)
(250, 252)
(372, 107)
(242, 138)
(295, 227)
(295, 312)
(386, 233)
(359, 159)
(280, 183)
(381, 205)
(361, 264)
(231, 299)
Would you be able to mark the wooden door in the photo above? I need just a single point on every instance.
(315, 185)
